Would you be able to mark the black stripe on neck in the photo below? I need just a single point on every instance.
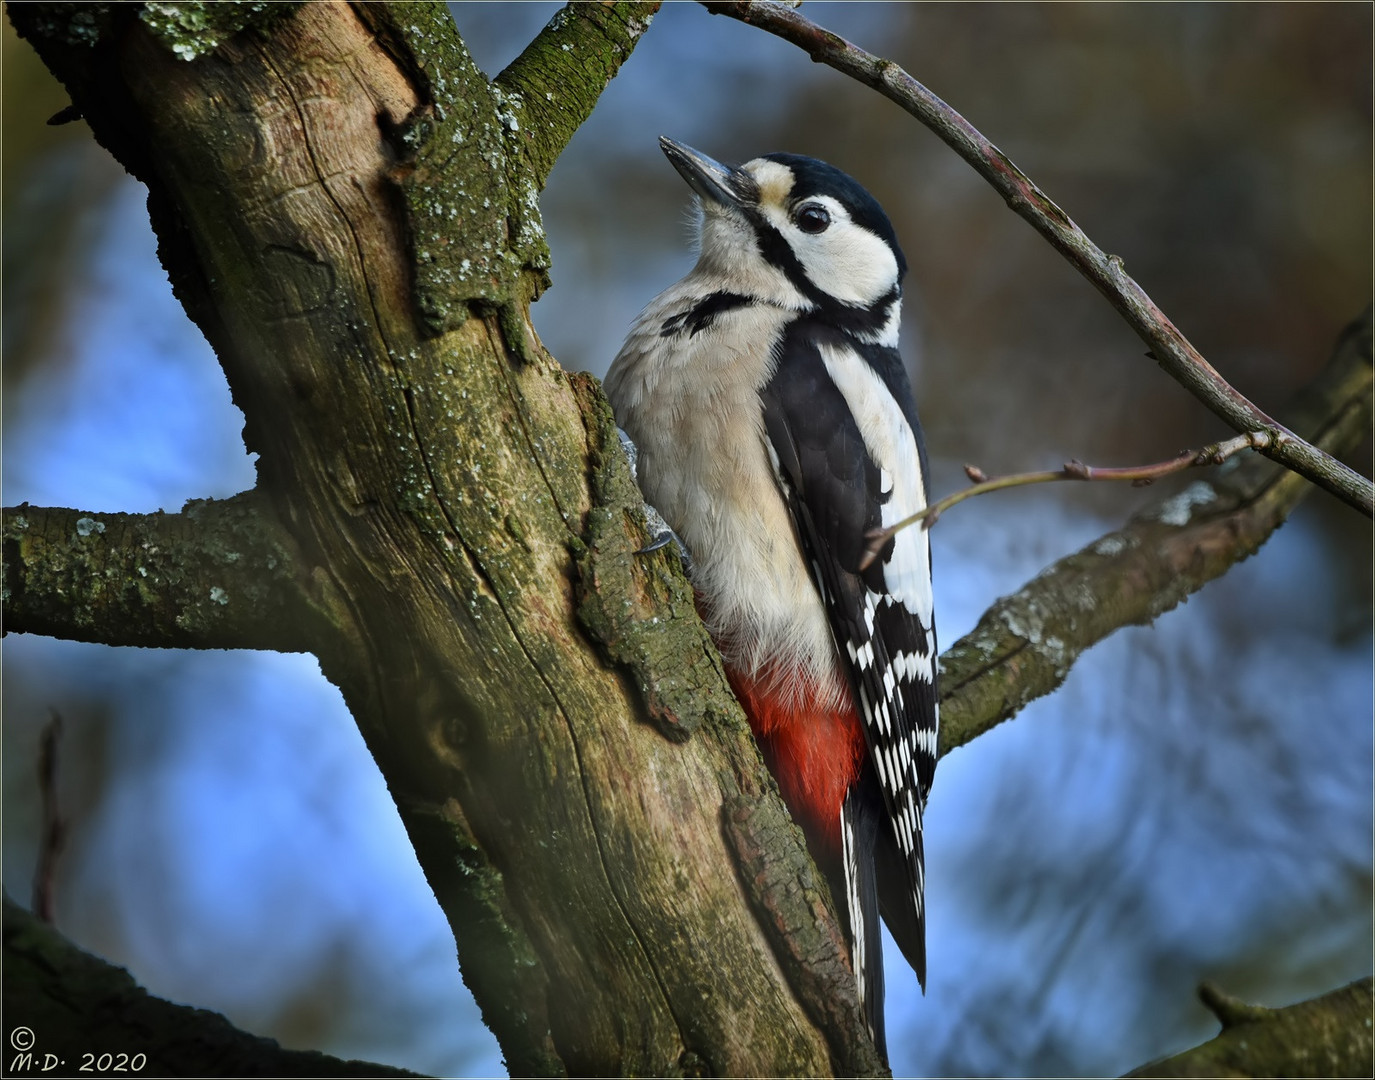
(847, 317)
(702, 314)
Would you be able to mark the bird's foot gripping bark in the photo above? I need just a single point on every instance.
(662, 530)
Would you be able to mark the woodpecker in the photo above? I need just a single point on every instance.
(775, 427)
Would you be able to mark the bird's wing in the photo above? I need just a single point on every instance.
(847, 452)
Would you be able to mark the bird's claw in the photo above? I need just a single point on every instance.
(654, 521)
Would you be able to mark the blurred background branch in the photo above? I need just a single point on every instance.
(1168, 346)
(1025, 645)
(53, 836)
(1326, 1036)
(73, 1002)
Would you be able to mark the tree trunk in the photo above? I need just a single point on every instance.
(347, 208)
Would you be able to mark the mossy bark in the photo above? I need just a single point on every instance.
(346, 208)
(220, 572)
(446, 520)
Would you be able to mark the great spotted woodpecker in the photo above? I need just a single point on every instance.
(775, 427)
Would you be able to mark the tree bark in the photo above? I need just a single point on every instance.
(348, 209)
(86, 1015)
(1327, 1036)
(219, 575)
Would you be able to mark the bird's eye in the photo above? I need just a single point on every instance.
(813, 218)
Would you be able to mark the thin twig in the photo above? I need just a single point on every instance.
(1026, 644)
(1137, 475)
(1168, 347)
(53, 829)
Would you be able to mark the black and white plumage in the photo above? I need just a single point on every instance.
(775, 427)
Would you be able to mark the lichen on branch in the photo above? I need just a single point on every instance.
(557, 80)
(218, 575)
(476, 153)
(1025, 644)
(196, 27)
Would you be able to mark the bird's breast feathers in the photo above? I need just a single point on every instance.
(694, 413)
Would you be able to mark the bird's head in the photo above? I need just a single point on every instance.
(796, 231)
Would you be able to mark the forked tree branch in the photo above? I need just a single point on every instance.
(345, 207)
(1168, 347)
(1025, 644)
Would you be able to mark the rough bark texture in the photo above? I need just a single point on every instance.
(347, 208)
(1327, 1036)
(220, 574)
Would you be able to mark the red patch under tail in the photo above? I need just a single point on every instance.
(813, 748)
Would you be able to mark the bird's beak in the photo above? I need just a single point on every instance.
(710, 179)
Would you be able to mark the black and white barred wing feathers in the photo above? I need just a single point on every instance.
(848, 452)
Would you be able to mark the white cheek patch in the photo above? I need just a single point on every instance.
(846, 261)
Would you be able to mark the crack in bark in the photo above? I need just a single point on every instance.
(498, 343)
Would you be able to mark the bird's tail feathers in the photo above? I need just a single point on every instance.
(860, 830)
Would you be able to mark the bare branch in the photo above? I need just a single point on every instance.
(1326, 1036)
(557, 80)
(1025, 644)
(81, 1007)
(446, 485)
(1137, 475)
(1168, 347)
(219, 575)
